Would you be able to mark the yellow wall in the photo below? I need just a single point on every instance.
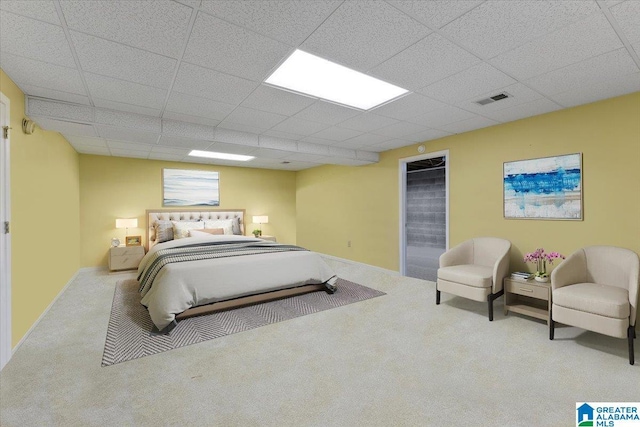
(336, 204)
(117, 187)
(45, 236)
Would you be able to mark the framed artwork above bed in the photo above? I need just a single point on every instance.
(185, 187)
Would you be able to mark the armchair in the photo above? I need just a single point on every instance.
(596, 288)
(475, 269)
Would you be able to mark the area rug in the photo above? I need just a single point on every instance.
(129, 333)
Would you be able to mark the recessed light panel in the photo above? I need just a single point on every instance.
(222, 156)
(315, 76)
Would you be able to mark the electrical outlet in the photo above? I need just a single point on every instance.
(348, 243)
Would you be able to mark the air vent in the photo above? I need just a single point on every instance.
(493, 98)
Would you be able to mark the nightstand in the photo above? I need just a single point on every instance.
(270, 238)
(125, 257)
(528, 297)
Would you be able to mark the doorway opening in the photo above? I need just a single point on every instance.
(424, 232)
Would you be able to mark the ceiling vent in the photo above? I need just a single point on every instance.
(494, 98)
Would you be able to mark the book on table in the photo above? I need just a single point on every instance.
(521, 275)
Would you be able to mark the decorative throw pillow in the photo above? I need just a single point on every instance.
(205, 232)
(213, 230)
(164, 231)
(181, 228)
(225, 224)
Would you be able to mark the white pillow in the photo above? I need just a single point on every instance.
(181, 228)
(225, 224)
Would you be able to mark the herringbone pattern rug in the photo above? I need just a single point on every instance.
(129, 333)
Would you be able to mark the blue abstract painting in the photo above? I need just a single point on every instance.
(191, 188)
(546, 188)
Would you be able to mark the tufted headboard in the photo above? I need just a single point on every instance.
(189, 215)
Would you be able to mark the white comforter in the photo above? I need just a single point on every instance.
(183, 285)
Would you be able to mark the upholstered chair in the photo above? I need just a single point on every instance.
(475, 269)
(596, 288)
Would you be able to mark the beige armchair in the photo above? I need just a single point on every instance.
(596, 288)
(475, 269)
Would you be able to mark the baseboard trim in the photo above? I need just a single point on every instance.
(46, 310)
(362, 264)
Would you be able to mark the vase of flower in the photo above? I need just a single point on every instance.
(540, 259)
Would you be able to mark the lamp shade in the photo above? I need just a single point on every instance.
(126, 222)
(261, 219)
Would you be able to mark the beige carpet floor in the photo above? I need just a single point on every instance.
(398, 360)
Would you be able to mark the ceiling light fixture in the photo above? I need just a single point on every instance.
(318, 77)
(223, 156)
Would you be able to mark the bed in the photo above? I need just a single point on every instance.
(213, 266)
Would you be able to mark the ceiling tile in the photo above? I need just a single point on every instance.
(66, 128)
(271, 99)
(86, 141)
(400, 129)
(34, 39)
(54, 94)
(409, 105)
(42, 74)
(187, 130)
(158, 26)
(327, 113)
(626, 15)
(187, 143)
(256, 118)
(427, 135)
(123, 91)
(135, 121)
(390, 145)
(337, 134)
(529, 109)
(127, 145)
(241, 128)
(299, 127)
(87, 149)
(59, 110)
(225, 47)
(362, 34)
(127, 108)
(112, 59)
(285, 135)
(221, 147)
(442, 116)
(364, 139)
(286, 21)
(435, 14)
(165, 156)
(590, 37)
(161, 149)
(191, 3)
(268, 153)
(584, 74)
(468, 125)
(191, 119)
(123, 134)
(426, 62)
(196, 106)
(367, 122)
(518, 94)
(471, 82)
(198, 81)
(43, 10)
(235, 137)
(614, 87)
(497, 26)
(609, 3)
(277, 143)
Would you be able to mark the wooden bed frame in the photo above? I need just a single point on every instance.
(195, 214)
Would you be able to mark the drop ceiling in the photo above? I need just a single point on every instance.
(156, 79)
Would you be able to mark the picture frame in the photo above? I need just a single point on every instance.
(187, 187)
(133, 240)
(547, 188)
